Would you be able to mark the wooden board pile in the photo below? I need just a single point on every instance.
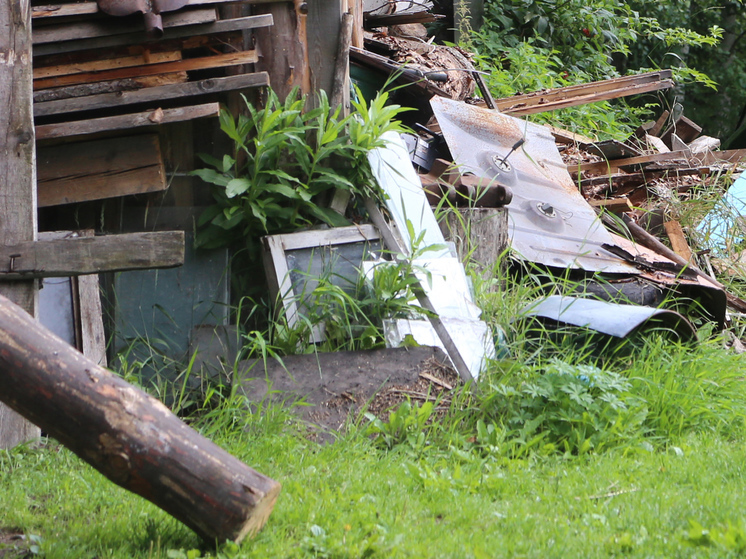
(96, 73)
(662, 164)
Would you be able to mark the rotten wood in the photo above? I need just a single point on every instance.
(75, 256)
(736, 156)
(127, 435)
(686, 129)
(152, 94)
(17, 173)
(541, 101)
(614, 205)
(84, 171)
(283, 49)
(115, 26)
(221, 26)
(323, 26)
(188, 65)
(341, 80)
(125, 122)
(630, 180)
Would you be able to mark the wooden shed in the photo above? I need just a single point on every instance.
(108, 103)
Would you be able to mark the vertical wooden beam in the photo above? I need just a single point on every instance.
(283, 48)
(324, 21)
(17, 173)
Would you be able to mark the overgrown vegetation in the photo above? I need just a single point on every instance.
(529, 45)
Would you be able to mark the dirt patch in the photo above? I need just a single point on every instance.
(334, 387)
(13, 544)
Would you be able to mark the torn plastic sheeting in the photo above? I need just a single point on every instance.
(608, 318)
(550, 222)
(723, 227)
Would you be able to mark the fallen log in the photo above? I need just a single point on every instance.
(127, 435)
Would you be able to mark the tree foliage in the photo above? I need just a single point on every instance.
(528, 45)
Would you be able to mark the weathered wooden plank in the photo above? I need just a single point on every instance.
(17, 172)
(85, 171)
(151, 94)
(323, 28)
(105, 64)
(539, 101)
(124, 122)
(678, 239)
(114, 26)
(114, 86)
(283, 49)
(222, 26)
(89, 8)
(519, 108)
(77, 256)
(191, 64)
(609, 166)
(735, 156)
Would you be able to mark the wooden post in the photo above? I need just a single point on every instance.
(283, 47)
(127, 435)
(480, 235)
(324, 22)
(17, 172)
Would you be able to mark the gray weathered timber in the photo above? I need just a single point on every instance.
(114, 26)
(323, 28)
(76, 256)
(151, 94)
(17, 172)
(124, 122)
(249, 22)
(127, 435)
(480, 235)
(283, 52)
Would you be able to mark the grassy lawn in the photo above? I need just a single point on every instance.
(354, 499)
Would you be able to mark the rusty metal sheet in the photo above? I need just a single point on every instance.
(608, 318)
(550, 221)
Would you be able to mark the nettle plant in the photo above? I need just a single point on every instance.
(284, 157)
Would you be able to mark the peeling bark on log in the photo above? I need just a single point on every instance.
(128, 436)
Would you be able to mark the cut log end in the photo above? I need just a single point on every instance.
(260, 514)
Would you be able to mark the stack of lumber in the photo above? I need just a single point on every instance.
(95, 73)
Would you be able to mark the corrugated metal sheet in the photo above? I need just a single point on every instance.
(550, 221)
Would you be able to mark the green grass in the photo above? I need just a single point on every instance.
(564, 450)
(351, 499)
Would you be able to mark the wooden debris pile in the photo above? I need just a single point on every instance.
(95, 73)
(663, 164)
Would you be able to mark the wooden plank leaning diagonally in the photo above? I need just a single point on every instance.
(124, 122)
(571, 96)
(75, 256)
(84, 171)
(148, 95)
(115, 26)
(221, 26)
(202, 63)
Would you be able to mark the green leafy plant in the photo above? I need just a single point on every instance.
(405, 425)
(284, 157)
(565, 408)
